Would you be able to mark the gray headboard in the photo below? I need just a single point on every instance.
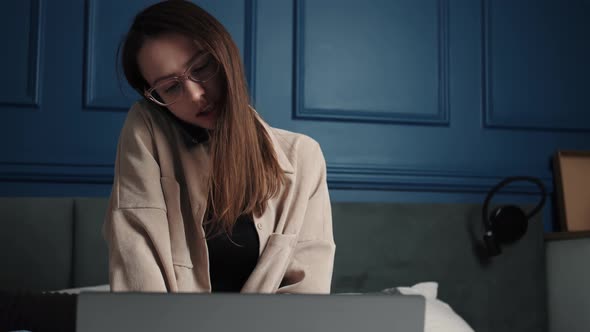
(55, 243)
(386, 245)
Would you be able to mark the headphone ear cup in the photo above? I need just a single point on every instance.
(509, 223)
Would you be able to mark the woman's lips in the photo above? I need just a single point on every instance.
(207, 111)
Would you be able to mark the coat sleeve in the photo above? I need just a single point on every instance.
(136, 225)
(310, 270)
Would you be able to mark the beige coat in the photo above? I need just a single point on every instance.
(154, 227)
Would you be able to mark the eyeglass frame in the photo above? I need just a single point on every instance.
(181, 79)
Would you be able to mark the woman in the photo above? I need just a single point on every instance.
(206, 196)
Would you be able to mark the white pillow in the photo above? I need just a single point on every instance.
(439, 316)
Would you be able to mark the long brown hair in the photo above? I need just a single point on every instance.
(245, 172)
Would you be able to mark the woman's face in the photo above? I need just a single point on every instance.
(172, 55)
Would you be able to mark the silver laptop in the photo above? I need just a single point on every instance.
(240, 312)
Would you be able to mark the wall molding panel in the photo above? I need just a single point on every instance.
(438, 115)
(250, 45)
(101, 97)
(527, 81)
(30, 96)
(96, 98)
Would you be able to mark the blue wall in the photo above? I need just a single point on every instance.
(411, 100)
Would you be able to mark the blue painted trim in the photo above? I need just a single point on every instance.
(88, 79)
(443, 63)
(340, 176)
(377, 177)
(298, 50)
(250, 38)
(56, 173)
(35, 61)
(33, 98)
(300, 112)
(486, 66)
(487, 105)
(90, 101)
(38, 163)
(55, 178)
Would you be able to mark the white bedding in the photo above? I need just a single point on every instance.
(439, 316)
(98, 288)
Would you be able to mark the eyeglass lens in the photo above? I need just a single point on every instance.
(171, 90)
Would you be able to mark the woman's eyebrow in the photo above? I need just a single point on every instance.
(186, 65)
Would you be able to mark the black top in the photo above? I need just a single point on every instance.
(231, 261)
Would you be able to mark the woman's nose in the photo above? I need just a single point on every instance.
(194, 91)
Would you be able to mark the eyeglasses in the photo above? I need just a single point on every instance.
(171, 90)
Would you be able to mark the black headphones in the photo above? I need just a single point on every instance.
(507, 223)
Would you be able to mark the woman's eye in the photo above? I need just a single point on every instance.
(198, 69)
(201, 65)
(172, 88)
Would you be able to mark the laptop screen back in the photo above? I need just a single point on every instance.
(248, 312)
